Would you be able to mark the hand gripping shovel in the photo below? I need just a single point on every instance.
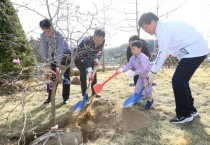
(98, 87)
(81, 104)
(133, 99)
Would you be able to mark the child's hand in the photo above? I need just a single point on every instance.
(120, 70)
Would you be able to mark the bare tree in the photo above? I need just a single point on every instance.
(130, 20)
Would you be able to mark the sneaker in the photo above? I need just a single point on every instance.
(181, 119)
(148, 105)
(97, 95)
(194, 113)
(65, 102)
(47, 101)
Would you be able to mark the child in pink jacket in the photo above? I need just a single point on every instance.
(142, 66)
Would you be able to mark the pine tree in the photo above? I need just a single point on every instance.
(13, 43)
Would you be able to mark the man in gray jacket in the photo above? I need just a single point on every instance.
(56, 50)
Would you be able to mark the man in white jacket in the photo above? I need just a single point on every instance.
(184, 42)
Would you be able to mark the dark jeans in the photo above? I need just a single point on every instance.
(135, 79)
(180, 83)
(83, 76)
(66, 87)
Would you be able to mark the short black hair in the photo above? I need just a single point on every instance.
(45, 24)
(99, 32)
(147, 18)
(133, 38)
(137, 43)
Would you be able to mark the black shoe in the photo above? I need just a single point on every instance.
(65, 102)
(181, 119)
(194, 113)
(47, 101)
(97, 95)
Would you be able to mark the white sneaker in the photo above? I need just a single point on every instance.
(194, 113)
(181, 119)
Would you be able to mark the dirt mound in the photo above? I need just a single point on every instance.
(75, 81)
(133, 120)
(104, 116)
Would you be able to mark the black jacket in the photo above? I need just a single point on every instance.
(145, 50)
(87, 52)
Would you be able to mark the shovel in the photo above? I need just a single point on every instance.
(98, 87)
(81, 104)
(135, 98)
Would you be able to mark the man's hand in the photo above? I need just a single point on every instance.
(151, 76)
(120, 70)
(131, 75)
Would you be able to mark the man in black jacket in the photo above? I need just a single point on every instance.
(87, 54)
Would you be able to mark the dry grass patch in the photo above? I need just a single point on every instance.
(106, 122)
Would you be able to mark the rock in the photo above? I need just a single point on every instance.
(70, 138)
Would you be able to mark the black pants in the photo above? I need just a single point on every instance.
(180, 83)
(66, 87)
(135, 79)
(83, 76)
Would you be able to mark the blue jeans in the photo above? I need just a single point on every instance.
(180, 83)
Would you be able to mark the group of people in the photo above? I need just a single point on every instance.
(174, 38)
(56, 51)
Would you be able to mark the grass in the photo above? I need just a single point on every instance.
(157, 132)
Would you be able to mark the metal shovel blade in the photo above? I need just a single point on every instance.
(80, 105)
(135, 98)
(97, 88)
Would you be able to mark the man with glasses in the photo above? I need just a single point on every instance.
(87, 54)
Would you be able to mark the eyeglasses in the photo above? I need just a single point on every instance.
(99, 33)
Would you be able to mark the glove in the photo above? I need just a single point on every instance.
(120, 70)
(151, 76)
(90, 71)
(96, 61)
(90, 76)
(99, 54)
(131, 75)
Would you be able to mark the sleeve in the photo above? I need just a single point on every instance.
(44, 47)
(62, 46)
(128, 66)
(82, 52)
(163, 43)
(100, 50)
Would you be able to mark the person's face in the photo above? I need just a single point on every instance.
(97, 40)
(149, 28)
(48, 32)
(135, 50)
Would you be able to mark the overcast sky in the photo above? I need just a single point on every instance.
(194, 12)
